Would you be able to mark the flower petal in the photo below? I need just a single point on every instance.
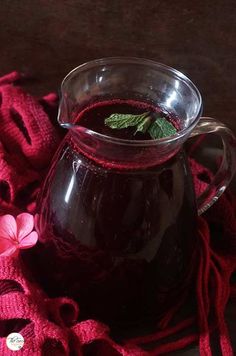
(25, 224)
(29, 240)
(7, 248)
(8, 227)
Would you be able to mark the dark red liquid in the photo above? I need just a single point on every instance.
(94, 116)
(119, 241)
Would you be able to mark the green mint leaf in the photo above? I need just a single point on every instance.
(160, 128)
(122, 121)
(144, 125)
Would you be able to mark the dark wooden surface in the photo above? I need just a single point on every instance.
(47, 38)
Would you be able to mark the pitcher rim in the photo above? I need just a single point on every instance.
(134, 60)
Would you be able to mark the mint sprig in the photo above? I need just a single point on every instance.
(157, 127)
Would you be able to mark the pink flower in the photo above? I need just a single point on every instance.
(16, 233)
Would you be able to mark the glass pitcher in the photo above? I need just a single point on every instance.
(117, 218)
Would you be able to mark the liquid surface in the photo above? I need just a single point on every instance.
(94, 116)
(120, 242)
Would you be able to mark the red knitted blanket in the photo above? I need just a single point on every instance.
(28, 139)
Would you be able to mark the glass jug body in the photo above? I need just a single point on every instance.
(120, 241)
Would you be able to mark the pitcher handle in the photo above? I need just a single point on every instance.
(226, 171)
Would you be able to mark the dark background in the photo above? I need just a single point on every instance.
(47, 38)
